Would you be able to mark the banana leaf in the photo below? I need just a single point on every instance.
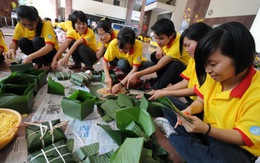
(55, 87)
(63, 75)
(153, 110)
(129, 152)
(17, 78)
(124, 101)
(54, 153)
(166, 103)
(112, 75)
(20, 67)
(94, 87)
(110, 106)
(79, 105)
(85, 151)
(118, 136)
(103, 158)
(41, 76)
(17, 97)
(41, 135)
(141, 117)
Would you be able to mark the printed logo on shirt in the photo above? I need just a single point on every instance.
(255, 130)
(88, 39)
(49, 36)
(139, 58)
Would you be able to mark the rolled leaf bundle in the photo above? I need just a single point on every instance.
(80, 79)
(40, 75)
(54, 153)
(40, 135)
(63, 75)
(79, 105)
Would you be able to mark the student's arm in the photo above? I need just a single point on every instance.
(11, 53)
(65, 60)
(41, 52)
(175, 93)
(162, 62)
(108, 79)
(159, 53)
(100, 51)
(62, 48)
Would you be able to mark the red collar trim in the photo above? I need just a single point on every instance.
(113, 35)
(131, 51)
(170, 43)
(241, 88)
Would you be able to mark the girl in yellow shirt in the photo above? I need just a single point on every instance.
(3, 47)
(35, 37)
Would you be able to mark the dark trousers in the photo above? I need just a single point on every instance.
(198, 148)
(30, 46)
(169, 74)
(125, 67)
(85, 55)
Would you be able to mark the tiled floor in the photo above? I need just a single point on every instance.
(162, 140)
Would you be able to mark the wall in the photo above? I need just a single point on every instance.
(255, 30)
(45, 8)
(94, 8)
(224, 8)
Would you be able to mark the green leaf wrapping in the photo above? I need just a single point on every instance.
(80, 79)
(63, 75)
(85, 151)
(79, 105)
(103, 158)
(36, 140)
(166, 103)
(153, 110)
(40, 75)
(54, 153)
(18, 78)
(21, 67)
(118, 136)
(125, 116)
(55, 87)
(17, 97)
(124, 101)
(129, 152)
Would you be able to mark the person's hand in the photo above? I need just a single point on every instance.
(156, 94)
(27, 59)
(197, 125)
(131, 79)
(54, 64)
(108, 82)
(11, 54)
(158, 56)
(64, 61)
(116, 88)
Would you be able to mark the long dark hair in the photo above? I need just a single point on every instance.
(126, 35)
(30, 13)
(233, 40)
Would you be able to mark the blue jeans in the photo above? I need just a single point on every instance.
(198, 148)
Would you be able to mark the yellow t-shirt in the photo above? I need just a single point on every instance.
(88, 38)
(134, 56)
(113, 35)
(173, 51)
(2, 42)
(47, 34)
(190, 74)
(68, 25)
(237, 108)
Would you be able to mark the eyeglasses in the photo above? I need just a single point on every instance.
(102, 35)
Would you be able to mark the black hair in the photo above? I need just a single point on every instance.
(30, 13)
(125, 36)
(195, 32)
(105, 25)
(233, 40)
(78, 15)
(164, 26)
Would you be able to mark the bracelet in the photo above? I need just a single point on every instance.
(121, 84)
(208, 129)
